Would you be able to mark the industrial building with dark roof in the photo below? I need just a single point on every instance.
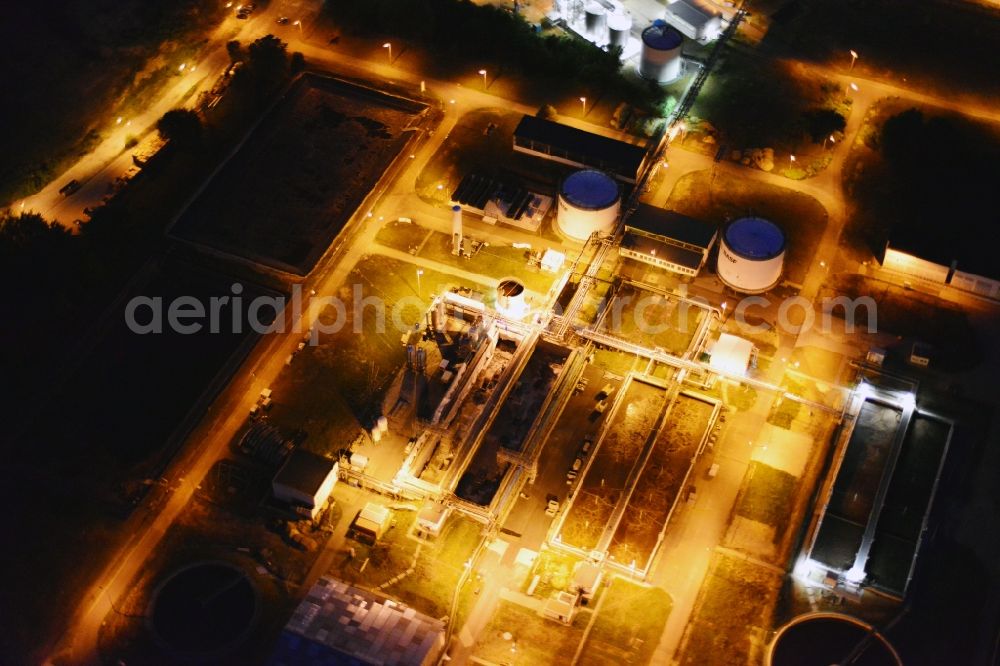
(667, 239)
(562, 143)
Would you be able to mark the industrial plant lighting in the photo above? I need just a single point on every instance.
(388, 45)
(583, 103)
(854, 87)
(482, 73)
(854, 56)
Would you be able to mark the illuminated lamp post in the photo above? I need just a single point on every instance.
(388, 45)
(854, 56)
(583, 105)
(482, 73)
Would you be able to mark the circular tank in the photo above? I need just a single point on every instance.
(819, 639)
(595, 20)
(510, 298)
(661, 52)
(589, 201)
(619, 27)
(751, 255)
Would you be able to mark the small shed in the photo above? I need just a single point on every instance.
(731, 354)
(371, 522)
(561, 607)
(305, 481)
(432, 518)
(586, 579)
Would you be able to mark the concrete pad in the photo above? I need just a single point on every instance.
(783, 449)
(526, 557)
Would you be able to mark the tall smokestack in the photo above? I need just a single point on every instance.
(456, 229)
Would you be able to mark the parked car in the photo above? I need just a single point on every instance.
(70, 187)
(552, 506)
(282, 20)
(587, 443)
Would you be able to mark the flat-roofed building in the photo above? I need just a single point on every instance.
(340, 624)
(305, 481)
(575, 147)
(667, 239)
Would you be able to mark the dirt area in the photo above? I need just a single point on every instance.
(617, 452)
(300, 175)
(660, 483)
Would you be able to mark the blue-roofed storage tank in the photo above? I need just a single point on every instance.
(751, 255)
(589, 201)
(661, 52)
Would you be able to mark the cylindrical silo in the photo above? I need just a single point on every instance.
(751, 255)
(589, 201)
(619, 27)
(661, 52)
(510, 298)
(595, 20)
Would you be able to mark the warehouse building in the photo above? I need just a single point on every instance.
(305, 482)
(942, 256)
(693, 20)
(499, 201)
(667, 239)
(340, 624)
(568, 145)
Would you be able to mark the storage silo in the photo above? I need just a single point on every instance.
(510, 299)
(661, 52)
(589, 201)
(751, 255)
(595, 20)
(619, 28)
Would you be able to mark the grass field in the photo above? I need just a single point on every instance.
(628, 626)
(720, 197)
(767, 496)
(735, 604)
(332, 386)
(534, 639)
(301, 173)
(652, 320)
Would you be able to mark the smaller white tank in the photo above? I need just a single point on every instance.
(595, 20)
(619, 27)
(589, 201)
(661, 52)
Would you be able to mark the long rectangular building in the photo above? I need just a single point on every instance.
(568, 145)
(667, 239)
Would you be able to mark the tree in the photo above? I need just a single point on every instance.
(235, 50)
(547, 111)
(297, 63)
(821, 123)
(182, 127)
(268, 59)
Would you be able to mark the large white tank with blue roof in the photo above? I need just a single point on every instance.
(751, 255)
(661, 52)
(589, 201)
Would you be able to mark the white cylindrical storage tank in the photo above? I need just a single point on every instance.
(511, 299)
(589, 201)
(661, 52)
(619, 27)
(751, 255)
(595, 20)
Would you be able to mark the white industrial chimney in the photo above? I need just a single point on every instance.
(456, 229)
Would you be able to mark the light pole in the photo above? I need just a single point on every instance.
(852, 88)
(419, 273)
(854, 56)
(299, 24)
(583, 104)
(830, 139)
(791, 162)
(482, 73)
(388, 45)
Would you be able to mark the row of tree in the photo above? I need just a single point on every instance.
(460, 31)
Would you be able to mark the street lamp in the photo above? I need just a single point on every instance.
(791, 161)
(419, 273)
(830, 139)
(583, 103)
(482, 73)
(388, 45)
(299, 25)
(854, 56)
